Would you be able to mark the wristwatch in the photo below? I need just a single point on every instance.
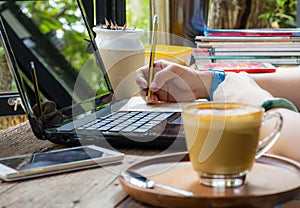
(218, 77)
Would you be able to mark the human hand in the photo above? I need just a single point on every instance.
(240, 87)
(173, 82)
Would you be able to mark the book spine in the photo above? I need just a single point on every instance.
(246, 39)
(245, 34)
(254, 32)
(279, 61)
(247, 49)
(248, 44)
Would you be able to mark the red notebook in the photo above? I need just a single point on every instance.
(249, 67)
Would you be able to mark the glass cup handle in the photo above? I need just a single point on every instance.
(266, 143)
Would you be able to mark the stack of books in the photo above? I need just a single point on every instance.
(275, 46)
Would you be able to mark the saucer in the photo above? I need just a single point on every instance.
(273, 180)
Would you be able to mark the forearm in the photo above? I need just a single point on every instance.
(284, 83)
(288, 142)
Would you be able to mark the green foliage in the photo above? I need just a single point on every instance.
(1, 51)
(138, 15)
(69, 29)
(48, 22)
(282, 12)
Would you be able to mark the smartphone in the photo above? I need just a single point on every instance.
(57, 161)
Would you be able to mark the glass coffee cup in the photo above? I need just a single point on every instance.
(223, 140)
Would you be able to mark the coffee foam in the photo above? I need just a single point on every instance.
(223, 112)
(239, 118)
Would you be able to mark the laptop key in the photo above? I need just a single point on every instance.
(90, 128)
(116, 128)
(141, 130)
(129, 129)
(104, 128)
(163, 116)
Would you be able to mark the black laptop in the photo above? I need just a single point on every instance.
(77, 103)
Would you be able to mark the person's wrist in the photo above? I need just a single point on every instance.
(206, 79)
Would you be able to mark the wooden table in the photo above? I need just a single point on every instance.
(97, 187)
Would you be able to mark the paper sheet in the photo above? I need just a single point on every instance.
(138, 104)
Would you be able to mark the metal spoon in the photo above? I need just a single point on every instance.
(141, 181)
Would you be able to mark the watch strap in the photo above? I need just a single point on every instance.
(279, 103)
(218, 77)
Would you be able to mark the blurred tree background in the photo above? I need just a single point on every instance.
(138, 13)
(48, 24)
(280, 13)
(238, 14)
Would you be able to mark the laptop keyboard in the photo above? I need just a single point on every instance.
(126, 122)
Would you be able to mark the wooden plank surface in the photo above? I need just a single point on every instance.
(96, 187)
(19, 139)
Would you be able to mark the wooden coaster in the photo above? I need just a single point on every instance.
(272, 181)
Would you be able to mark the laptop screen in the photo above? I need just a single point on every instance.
(53, 35)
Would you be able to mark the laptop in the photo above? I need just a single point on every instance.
(75, 93)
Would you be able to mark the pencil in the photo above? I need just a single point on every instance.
(36, 88)
(152, 56)
(95, 12)
(107, 24)
(124, 26)
(112, 26)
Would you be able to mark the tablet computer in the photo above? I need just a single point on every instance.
(57, 161)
